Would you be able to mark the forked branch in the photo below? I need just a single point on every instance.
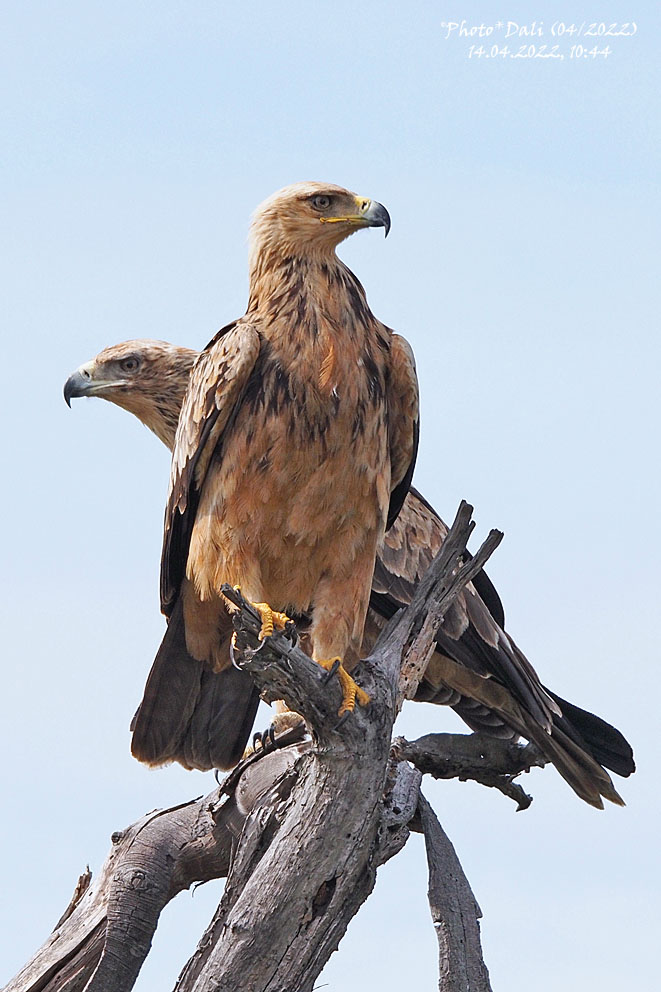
(304, 829)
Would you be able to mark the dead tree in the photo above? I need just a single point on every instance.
(299, 832)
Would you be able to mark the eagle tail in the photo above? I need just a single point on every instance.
(578, 768)
(579, 744)
(605, 743)
(189, 713)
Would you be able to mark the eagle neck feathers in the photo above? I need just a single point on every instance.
(314, 313)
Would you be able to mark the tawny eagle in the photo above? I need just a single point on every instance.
(475, 669)
(293, 452)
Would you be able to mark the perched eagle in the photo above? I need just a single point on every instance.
(293, 452)
(476, 666)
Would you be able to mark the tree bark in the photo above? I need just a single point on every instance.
(482, 759)
(301, 831)
(105, 933)
(454, 911)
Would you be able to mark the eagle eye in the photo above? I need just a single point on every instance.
(321, 202)
(129, 364)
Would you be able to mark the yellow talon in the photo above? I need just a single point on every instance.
(271, 619)
(351, 691)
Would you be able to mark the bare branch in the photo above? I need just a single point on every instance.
(281, 670)
(306, 827)
(483, 759)
(105, 933)
(454, 911)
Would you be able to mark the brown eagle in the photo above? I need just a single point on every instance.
(293, 452)
(477, 668)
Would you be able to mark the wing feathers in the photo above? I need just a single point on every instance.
(218, 379)
(469, 632)
(479, 670)
(403, 422)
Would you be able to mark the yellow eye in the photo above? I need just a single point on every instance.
(321, 202)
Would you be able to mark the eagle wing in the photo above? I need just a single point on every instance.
(217, 382)
(403, 422)
(469, 632)
(410, 548)
(479, 670)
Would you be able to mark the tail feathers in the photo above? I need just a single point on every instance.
(605, 743)
(576, 765)
(221, 722)
(169, 699)
(578, 768)
(190, 714)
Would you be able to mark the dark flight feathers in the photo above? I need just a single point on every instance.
(189, 713)
(471, 643)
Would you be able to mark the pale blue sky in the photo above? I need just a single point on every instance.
(523, 266)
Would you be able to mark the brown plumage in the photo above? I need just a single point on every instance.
(475, 667)
(294, 446)
(146, 377)
(297, 428)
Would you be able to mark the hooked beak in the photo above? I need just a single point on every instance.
(79, 383)
(373, 214)
(369, 213)
(82, 383)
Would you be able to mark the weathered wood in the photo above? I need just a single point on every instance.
(305, 842)
(454, 911)
(275, 930)
(70, 956)
(482, 759)
(105, 933)
(257, 940)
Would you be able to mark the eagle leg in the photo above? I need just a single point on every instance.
(284, 718)
(351, 691)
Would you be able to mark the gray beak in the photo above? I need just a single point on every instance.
(376, 215)
(78, 384)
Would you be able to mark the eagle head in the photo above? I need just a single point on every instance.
(309, 218)
(147, 378)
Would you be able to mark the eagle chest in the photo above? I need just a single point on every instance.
(307, 459)
(305, 404)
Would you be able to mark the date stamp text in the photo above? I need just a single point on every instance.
(558, 40)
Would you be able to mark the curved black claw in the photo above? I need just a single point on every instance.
(343, 719)
(291, 631)
(331, 671)
(264, 740)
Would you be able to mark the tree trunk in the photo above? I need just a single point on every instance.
(301, 830)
